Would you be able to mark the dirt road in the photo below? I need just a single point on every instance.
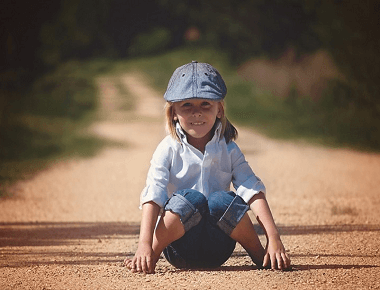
(71, 226)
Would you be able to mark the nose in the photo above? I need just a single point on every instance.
(196, 111)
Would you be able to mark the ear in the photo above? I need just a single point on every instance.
(173, 114)
(220, 113)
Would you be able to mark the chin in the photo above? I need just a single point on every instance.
(197, 135)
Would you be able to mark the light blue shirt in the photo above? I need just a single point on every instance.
(178, 165)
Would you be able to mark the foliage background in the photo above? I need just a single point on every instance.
(51, 51)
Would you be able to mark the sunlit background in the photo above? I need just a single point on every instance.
(295, 69)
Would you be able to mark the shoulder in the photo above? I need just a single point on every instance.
(235, 153)
(232, 147)
(167, 146)
(169, 142)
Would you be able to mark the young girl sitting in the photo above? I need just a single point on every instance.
(189, 184)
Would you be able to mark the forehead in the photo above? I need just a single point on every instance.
(196, 101)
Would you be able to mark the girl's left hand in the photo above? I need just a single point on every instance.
(276, 256)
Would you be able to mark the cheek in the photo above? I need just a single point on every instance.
(181, 120)
(215, 114)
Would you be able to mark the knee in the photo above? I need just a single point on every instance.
(197, 199)
(218, 203)
(226, 210)
(190, 205)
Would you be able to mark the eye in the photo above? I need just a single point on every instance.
(186, 105)
(205, 104)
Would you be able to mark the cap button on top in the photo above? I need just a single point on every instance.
(194, 61)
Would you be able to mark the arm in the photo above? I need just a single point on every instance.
(144, 259)
(152, 198)
(275, 255)
(250, 188)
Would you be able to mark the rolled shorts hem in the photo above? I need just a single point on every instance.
(189, 215)
(232, 216)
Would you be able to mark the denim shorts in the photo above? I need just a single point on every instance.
(208, 225)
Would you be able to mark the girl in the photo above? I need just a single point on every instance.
(188, 183)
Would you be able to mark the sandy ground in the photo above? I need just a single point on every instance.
(71, 226)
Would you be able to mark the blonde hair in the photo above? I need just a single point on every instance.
(228, 131)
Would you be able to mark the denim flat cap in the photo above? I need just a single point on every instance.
(195, 81)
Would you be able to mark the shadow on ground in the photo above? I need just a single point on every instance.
(320, 229)
(61, 233)
(36, 235)
(65, 233)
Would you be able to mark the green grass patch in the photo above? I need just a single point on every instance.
(47, 121)
(326, 122)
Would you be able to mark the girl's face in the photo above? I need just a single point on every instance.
(197, 117)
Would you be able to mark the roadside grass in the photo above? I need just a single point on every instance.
(46, 123)
(341, 118)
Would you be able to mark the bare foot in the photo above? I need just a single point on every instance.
(128, 263)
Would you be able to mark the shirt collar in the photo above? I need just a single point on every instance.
(182, 136)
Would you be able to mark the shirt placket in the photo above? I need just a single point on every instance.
(205, 171)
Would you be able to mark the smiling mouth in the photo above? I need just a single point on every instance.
(197, 123)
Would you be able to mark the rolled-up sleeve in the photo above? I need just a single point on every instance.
(158, 175)
(245, 182)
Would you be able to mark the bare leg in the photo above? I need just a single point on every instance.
(169, 229)
(245, 234)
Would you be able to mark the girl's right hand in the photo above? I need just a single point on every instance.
(143, 261)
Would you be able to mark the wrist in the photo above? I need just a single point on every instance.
(273, 236)
(145, 242)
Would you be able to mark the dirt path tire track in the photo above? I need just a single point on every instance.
(71, 226)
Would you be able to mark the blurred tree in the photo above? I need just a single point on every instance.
(19, 41)
(154, 41)
(21, 22)
(129, 22)
(89, 28)
(251, 28)
(349, 31)
(78, 32)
